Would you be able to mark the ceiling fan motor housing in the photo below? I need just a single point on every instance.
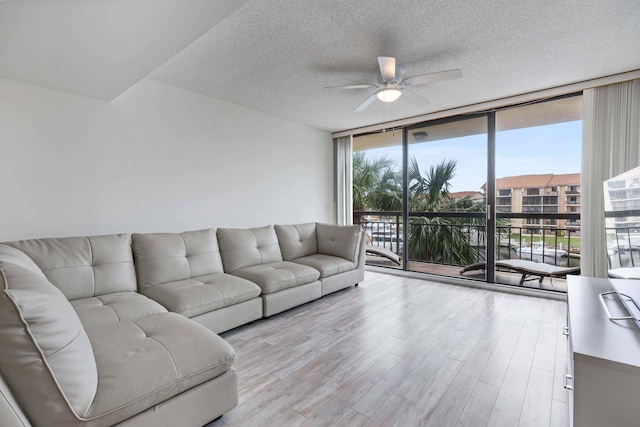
(397, 80)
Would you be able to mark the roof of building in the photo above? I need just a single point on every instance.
(565, 179)
(461, 194)
(537, 181)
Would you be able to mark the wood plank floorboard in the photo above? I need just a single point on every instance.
(398, 351)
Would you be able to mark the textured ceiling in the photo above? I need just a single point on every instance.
(275, 56)
(98, 48)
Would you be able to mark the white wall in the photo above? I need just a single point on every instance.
(157, 158)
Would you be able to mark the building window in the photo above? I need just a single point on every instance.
(531, 209)
(573, 189)
(531, 200)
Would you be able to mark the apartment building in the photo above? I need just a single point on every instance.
(622, 196)
(540, 194)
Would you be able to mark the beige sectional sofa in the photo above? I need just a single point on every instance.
(121, 330)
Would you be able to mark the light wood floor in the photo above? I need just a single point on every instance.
(398, 351)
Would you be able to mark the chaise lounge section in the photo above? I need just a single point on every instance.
(119, 359)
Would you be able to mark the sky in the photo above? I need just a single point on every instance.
(554, 148)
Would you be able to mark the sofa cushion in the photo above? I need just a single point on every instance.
(46, 356)
(83, 267)
(242, 248)
(170, 257)
(11, 413)
(276, 276)
(11, 255)
(339, 240)
(327, 265)
(297, 240)
(113, 308)
(145, 361)
(203, 294)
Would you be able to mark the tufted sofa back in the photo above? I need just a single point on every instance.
(83, 267)
(247, 247)
(297, 240)
(168, 257)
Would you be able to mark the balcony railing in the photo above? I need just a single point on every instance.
(623, 246)
(515, 239)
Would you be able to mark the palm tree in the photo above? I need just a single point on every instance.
(377, 185)
(441, 239)
(428, 192)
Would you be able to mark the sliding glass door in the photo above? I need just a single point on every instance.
(538, 162)
(446, 211)
(454, 196)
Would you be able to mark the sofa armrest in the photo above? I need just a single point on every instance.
(339, 240)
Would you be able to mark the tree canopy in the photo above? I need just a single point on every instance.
(377, 186)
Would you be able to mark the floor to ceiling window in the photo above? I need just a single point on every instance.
(447, 167)
(538, 161)
(377, 194)
(438, 179)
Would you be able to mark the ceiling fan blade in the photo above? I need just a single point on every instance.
(433, 77)
(365, 103)
(363, 86)
(387, 66)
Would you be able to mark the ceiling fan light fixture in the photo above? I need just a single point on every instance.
(388, 95)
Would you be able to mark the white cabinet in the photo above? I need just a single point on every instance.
(604, 358)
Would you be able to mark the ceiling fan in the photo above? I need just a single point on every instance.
(391, 84)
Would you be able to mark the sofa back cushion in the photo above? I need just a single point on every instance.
(83, 267)
(46, 356)
(168, 257)
(297, 240)
(339, 240)
(241, 247)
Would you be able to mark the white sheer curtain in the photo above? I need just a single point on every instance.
(610, 146)
(344, 185)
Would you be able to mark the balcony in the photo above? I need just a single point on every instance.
(541, 242)
(532, 200)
